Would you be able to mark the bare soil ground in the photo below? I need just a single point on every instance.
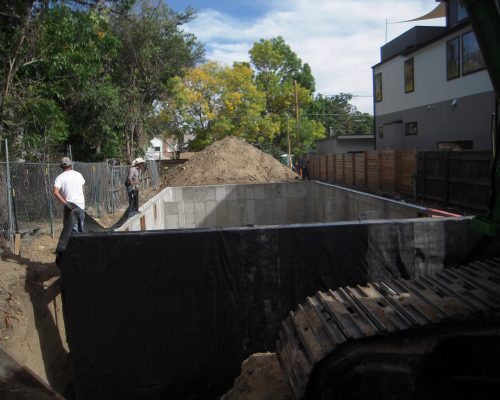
(261, 378)
(31, 320)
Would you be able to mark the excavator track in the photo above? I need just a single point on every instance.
(434, 336)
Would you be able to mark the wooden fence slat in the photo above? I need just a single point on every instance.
(360, 170)
(323, 170)
(348, 169)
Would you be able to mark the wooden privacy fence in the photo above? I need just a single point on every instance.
(389, 171)
(459, 178)
(455, 178)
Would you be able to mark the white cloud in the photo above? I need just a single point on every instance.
(339, 39)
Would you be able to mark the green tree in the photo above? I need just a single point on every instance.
(285, 81)
(33, 74)
(79, 52)
(154, 50)
(338, 115)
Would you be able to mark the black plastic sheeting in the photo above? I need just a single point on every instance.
(172, 314)
(90, 224)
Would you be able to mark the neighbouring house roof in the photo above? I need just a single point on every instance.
(415, 39)
(347, 137)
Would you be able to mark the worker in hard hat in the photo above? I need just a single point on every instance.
(132, 184)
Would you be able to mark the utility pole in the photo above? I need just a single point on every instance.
(289, 145)
(296, 112)
(386, 30)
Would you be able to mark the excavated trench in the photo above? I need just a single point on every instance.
(170, 304)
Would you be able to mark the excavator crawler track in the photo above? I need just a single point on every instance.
(383, 339)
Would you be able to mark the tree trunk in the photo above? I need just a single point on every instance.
(10, 69)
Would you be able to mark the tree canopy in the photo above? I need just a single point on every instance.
(106, 76)
(87, 73)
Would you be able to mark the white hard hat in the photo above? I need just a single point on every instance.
(137, 161)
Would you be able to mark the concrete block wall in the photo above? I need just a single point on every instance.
(224, 206)
(236, 205)
(335, 203)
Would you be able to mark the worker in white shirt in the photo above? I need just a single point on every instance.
(68, 189)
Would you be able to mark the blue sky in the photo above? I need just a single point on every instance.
(339, 39)
(242, 9)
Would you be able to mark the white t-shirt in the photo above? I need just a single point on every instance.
(70, 184)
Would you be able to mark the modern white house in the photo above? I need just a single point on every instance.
(431, 89)
(160, 149)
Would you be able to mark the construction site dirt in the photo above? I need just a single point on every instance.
(32, 325)
(215, 295)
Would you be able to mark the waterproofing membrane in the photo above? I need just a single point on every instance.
(90, 224)
(172, 314)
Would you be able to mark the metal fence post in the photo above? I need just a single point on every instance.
(49, 199)
(9, 193)
(112, 188)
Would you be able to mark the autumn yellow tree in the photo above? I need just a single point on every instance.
(212, 101)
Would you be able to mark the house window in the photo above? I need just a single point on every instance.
(411, 128)
(157, 148)
(472, 59)
(453, 58)
(381, 132)
(409, 76)
(378, 87)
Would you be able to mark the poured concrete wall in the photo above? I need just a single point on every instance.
(225, 206)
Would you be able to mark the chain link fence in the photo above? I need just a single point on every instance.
(33, 206)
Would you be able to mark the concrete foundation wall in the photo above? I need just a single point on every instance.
(185, 308)
(263, 204)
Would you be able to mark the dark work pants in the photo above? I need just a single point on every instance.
(133, 198)
(305, 173)
(78, 213)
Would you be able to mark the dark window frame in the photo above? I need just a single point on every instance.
(381, 132)
(377, 87)
(411, 128)
(477, 69)
(409, 75)
(461, 12)
(449, 76)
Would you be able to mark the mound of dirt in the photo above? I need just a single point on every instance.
(261, 378)
(230, 161)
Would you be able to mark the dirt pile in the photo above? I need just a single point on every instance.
(229, 161)
(261, 378)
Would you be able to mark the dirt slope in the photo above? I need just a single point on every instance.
(230, 161)
(31, 320)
